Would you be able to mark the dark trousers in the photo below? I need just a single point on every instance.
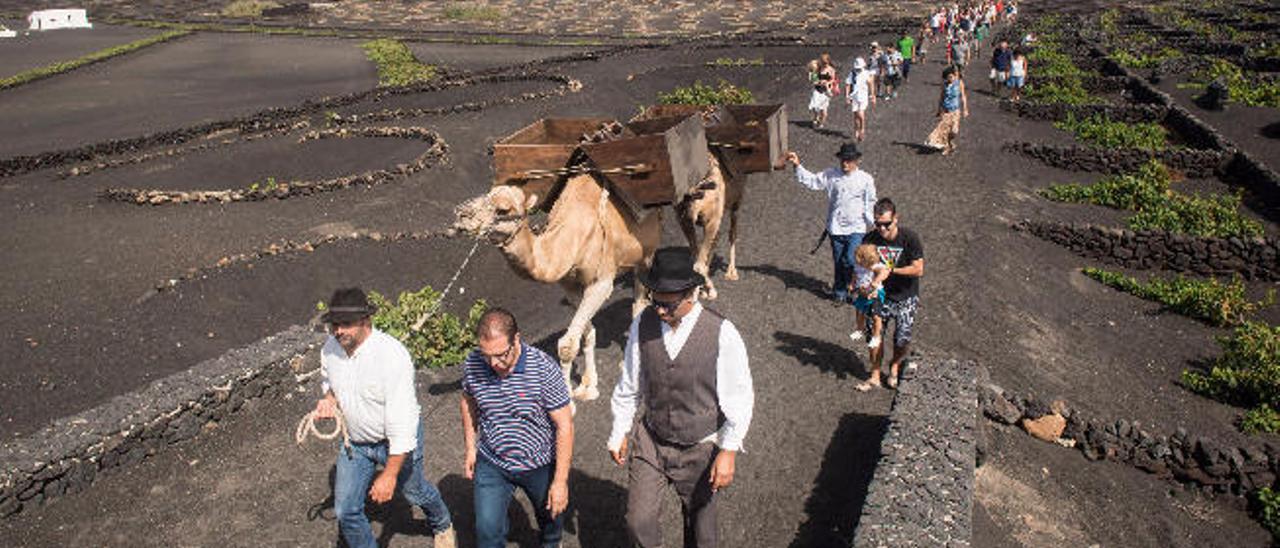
(653, 466)
(494, 488)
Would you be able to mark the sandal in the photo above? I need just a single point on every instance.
(866, 385)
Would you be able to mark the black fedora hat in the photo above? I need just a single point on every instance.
(672, 271)
(849, 151)
(348, 304)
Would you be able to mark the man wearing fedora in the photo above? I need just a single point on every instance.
(851, 193)
(368, 375)
(687, 366)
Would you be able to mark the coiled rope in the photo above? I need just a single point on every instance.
(308, 426)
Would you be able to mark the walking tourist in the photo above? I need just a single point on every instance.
(686, 365)
(1001, 59)
(518, 429)
(823, 90)
(368, 377)
(860, 86)
(893, 72)
(907, 48)
(1017, 74)
(851, 193)
(901, 250)
(953, 103)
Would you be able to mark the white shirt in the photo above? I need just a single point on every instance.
(850, 198)
(375, 390)
(733, 381)
(858, 85)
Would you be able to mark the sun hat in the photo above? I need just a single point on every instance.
(672, 271)
(859, 63)
(849, 151)
(347, 305)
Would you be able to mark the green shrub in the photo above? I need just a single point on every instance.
(1245, 87)
(1144, 61)
(701, 94)
(472, 12)
(247, 9)
(1266, 509)
(1157, 207)
(1247, 374)
(1069, 91)
(444, 339)
(100, 55)
(396, 64)
(1260, 419)
(1099, 131)
(1212, 301)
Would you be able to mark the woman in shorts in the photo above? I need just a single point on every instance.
(1017, 75)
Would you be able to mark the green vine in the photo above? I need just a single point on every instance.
(1211, 301)
(702, 94)
(396, 64)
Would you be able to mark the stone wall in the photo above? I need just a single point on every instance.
(68, 455)
(1193, 163)
(1182, 456)
(1255, 259)
(922, 490)
(1128, 113)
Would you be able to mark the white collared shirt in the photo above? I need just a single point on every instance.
(850, 198)
(375, 390)
(733, 381)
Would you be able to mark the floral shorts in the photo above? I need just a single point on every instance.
(903, 314)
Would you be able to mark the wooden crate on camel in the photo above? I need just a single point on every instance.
(746, 138)
(645, 163)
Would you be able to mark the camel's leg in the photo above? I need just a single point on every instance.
(732, 272)
(589, 390)
(574, 296)
(593, 296)
(710, 233)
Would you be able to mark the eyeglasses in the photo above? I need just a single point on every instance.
(667, 306)
(504, 357)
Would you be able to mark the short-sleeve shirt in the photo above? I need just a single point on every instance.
(899, 252)
(1001, 59)
(516, 432)
(907, 45)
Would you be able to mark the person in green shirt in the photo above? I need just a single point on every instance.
(907, 47)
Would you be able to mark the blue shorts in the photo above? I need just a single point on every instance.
(869, 305)
(1014, 81)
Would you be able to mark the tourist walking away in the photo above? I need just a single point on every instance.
(1017, 74)
(869, 276)
(368, 378)
(907, 48)
(1001, 64)
(686, 365)
(901, 250)
(952, 105)
(860, 86)
(518, 429)
(851, 193)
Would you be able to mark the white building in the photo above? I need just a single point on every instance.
(59, 19)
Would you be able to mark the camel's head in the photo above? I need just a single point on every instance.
(495, 216)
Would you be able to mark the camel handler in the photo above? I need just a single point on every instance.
(369, 375)
(688, 365)
(514, 399)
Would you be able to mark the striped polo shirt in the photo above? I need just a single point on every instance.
(516, 432)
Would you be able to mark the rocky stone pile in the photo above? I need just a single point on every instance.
(1129, 113)
(1194, 163)
(68, 455)
(922, 490)
(1252, 258)
(1182, 456)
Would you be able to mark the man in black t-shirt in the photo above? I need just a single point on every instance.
(900, 249)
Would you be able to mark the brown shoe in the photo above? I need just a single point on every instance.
(445, 539)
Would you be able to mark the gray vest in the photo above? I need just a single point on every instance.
(681, 404)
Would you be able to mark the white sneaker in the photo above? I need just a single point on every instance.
(874, 342)
(856, 335)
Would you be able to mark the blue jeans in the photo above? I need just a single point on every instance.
(494, 487)
(842, 249)
(354, 474)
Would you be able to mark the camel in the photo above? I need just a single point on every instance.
(705, 206)
(588, 240)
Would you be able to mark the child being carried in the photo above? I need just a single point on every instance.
(869, 277)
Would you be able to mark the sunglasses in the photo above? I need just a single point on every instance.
(667, 306)
(884, 224)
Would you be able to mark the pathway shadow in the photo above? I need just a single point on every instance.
(612, 322)
(792, 279)
(835, 504)
(919, 148)
(807, 124)
(826, 356)
(395, 516)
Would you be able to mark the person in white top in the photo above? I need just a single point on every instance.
(851, 193)
(369, 378)
(688, 365)
(861, 92)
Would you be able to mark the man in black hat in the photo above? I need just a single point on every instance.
(369, 375)
(688, 365)
(851, 193)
